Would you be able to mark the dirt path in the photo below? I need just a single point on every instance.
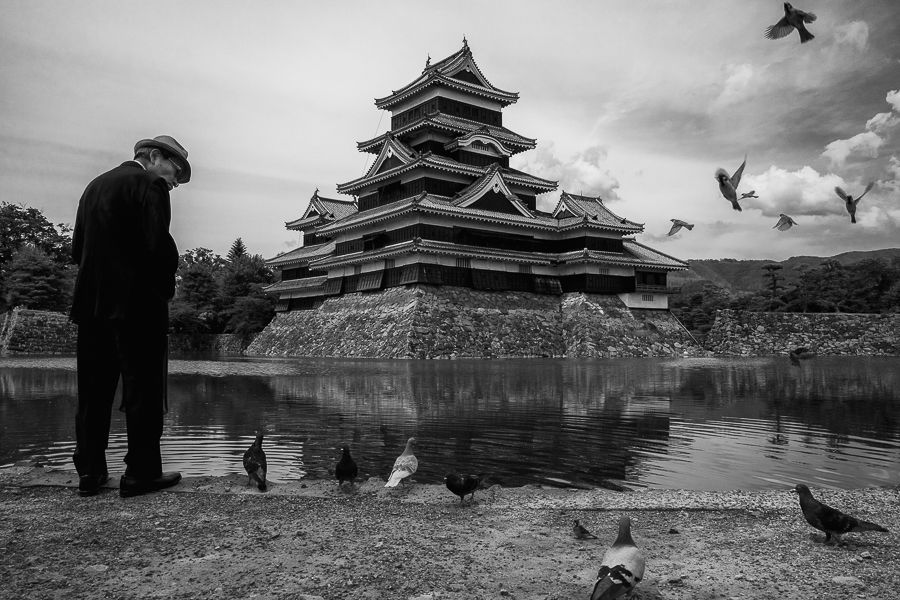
(218, 538)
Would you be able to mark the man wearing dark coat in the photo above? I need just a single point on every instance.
(126, 276)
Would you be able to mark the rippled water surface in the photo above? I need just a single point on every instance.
(714, 424)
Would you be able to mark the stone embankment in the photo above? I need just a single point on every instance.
(425, 321)
(745, 333)
(24, 331)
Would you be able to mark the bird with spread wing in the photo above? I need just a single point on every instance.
(850, 202)
(728, 185)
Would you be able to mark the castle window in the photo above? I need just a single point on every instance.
(389, 263)
(647, 297)
(357, 269)
(464, 263)
(524, 268)
(604, 270)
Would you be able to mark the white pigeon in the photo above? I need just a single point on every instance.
(677, 224)
(622, 567)
(728, 185)
(784, 223)
(405, 465)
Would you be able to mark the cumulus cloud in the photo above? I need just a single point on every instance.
(868, 142)
(855, 33)
(801, 192)
(582, 173)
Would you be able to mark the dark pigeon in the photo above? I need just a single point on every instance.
(464, 485)
(579, 531)
(798, 354)
(830, 520)
(255, 463)
(346, 469)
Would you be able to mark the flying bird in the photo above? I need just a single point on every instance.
(405, 465)
(850, 201)
(255, 463)
(830, 520)
(798, 354)
(622, 567)
(784, 223)
(750, 194)
(463, 485)
(579, 531)
(677, 224)
(792, 19)
(728, 185)
(346, 469)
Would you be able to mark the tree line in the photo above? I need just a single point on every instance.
(213, 294)
(866, 286)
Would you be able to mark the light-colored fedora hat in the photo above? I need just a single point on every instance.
(174, 150)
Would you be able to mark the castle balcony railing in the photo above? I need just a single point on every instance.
(662, 289)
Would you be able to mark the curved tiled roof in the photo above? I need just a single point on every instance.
(302, 254)
(296, 284)
(444, 163)
(441, 73)
(581, 207)
(327, 209)
(452, 124)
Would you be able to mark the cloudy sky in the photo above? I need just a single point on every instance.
(638, 101)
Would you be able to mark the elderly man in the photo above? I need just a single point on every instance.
(126, 276)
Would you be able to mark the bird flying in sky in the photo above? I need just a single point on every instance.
(784, 223)
(677, 224)
(830, 520)
(850, 202)
(728, 185)
(792, 19)
(750, 194)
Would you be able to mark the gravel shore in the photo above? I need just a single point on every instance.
(220, 538)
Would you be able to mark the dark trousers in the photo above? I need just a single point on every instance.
(136, 352)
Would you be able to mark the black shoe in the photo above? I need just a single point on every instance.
(131, 486)
(89, 485)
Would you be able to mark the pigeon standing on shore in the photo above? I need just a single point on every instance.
(581, 533)
(677, 224)
(830, 520)
(850, 202)
(792, 19)
(464, 485)
(784, 223)
(800, 353)
(255, 463)
(728, 185)
(405, 465)
(346, 469)
(622, 567)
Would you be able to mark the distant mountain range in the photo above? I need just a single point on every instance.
(747, 275)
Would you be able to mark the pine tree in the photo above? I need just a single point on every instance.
(238, 250)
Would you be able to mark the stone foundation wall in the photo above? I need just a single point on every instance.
(426, 321)
(24, 331)
(208, 343)
(745, 333)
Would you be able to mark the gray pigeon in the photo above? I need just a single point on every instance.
(830, 520)
(792, 19)
(784, 223)
(581, 533)
(750, 194)
(622, 567)
(405, 465)
(677, 224)
(850, 202)
(728, 185)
